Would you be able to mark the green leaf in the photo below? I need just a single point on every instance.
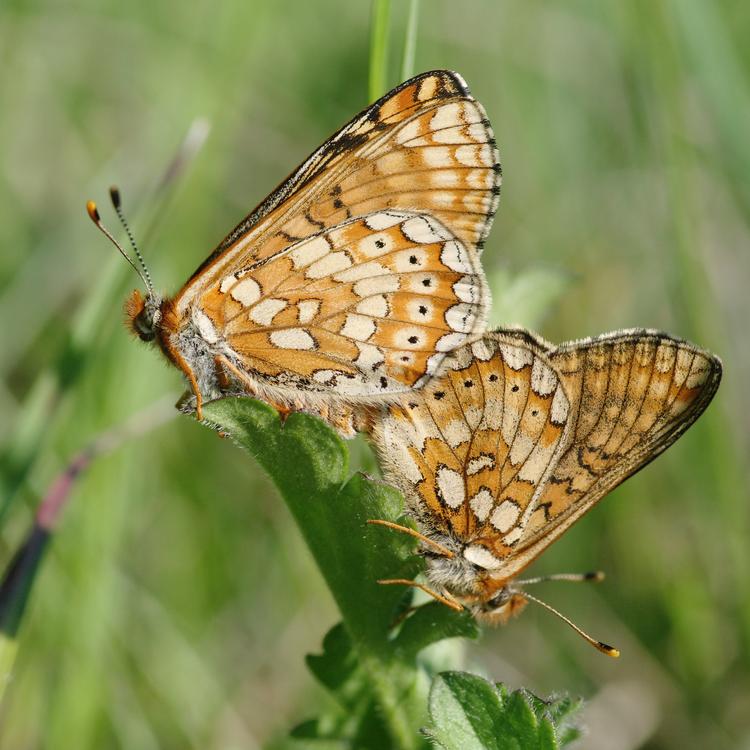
(337, 663)
(469, 713)
(431, 623)
(561, 712)
(308, 463)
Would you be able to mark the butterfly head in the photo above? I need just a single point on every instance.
(143, 314)
(469, 575)
(503, 604)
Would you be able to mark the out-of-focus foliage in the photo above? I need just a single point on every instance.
(177, 601)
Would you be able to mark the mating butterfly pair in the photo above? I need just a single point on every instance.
(355, 291)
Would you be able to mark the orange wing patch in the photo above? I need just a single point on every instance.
(471, 450)
(369, 307)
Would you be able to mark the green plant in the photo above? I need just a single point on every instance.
(372, 662)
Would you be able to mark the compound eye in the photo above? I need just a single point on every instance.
(144, 328)
(497, 601)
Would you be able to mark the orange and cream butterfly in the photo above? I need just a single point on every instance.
(357, 275)
(516, 439)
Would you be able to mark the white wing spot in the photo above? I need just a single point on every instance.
(308, 309)
(247, 292)
(375, 245)
(457, 432)
(559, 411)
(327, 266)
(482, 557)
(309, 251)
(455, 257)
(467, 289)
(264, 312)
(444, 178)
(408, 467)
(377, 285)
(205, 326)
(505, 515)
(461, 317)
(422, 231)
(292, 338)
(480, 463)
(409, 261)
(226, 283)
(376, 306)
(409, 338)
(362, 271)
(407, 132)
(481, 351)
(468, 156)
(543, 378)
(516, 357)
(384, 220)
(449, 342)
(520, 449)
(481, 504)
(513, 536)
(446, 116)
(437, 157)
(358, 327)
(450, 487)
(370, 357)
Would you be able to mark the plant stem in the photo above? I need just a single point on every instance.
(410, 41)
(379, 34)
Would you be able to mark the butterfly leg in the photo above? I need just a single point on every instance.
(448, 601)
(174, 354)
(226, 368)
(439, 548)
(343, 418)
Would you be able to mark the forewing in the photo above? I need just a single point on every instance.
(472, 450)
(425, 147)
(632, 394)
(367, 308)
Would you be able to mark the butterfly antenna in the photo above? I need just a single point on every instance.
(114, 195)
(93, 213)
(413, 532)
(596, 576)
(452, 603)
(598, 645)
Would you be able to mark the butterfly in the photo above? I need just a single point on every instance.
(518, 438)
(354, 278)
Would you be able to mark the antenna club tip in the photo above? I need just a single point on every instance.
(596, 575)
(93, 212)
(608, 650)
(114, 194)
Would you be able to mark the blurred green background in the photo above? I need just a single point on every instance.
(177, 602)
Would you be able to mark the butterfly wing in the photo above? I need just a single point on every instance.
(366, 308)
(426, 146)
(424, 150)
(473, 449)
(632, 394)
